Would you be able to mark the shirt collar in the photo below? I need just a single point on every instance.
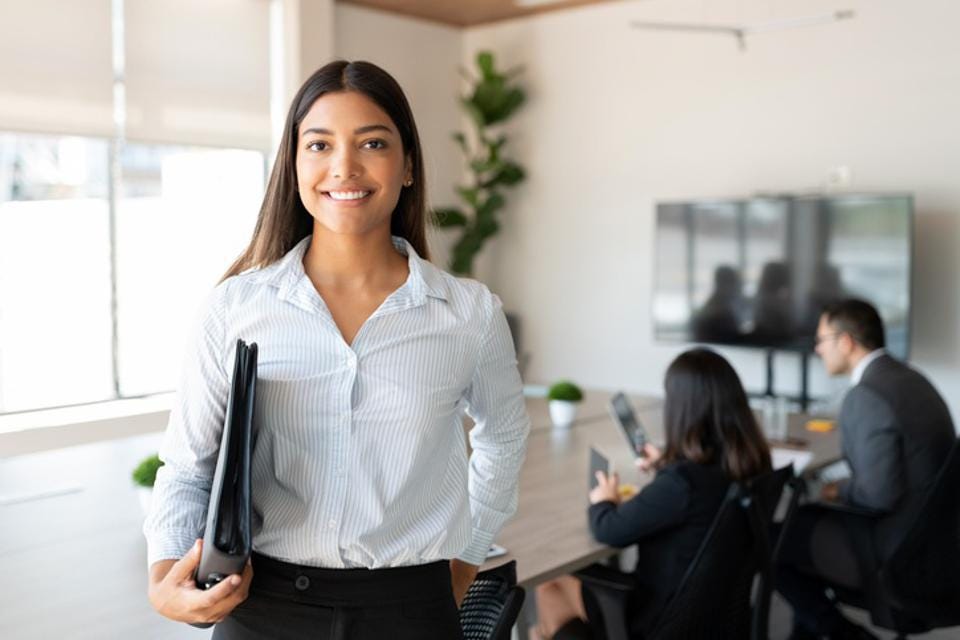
(425, 280)
(858, 370)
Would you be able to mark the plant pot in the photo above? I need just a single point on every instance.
(562, 413)
(146, 495)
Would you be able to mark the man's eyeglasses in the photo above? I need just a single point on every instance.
(818, 339)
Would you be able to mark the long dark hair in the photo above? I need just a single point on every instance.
(707, 418)
(283, 220)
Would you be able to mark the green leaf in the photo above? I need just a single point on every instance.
(461, 258)
(146, 472)
(448, 217)
(483, 166)
(474, 111)
(470, 195)
(507, 101)
(565, 390)
(507, 175)
(490, 205)
(485, 63)
(488, 227)
(461, 141)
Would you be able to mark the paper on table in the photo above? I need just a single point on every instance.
(783, 457)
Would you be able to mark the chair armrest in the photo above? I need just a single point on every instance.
(848, 510)
(607, 577)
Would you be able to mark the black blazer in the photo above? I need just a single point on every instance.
(668, 521)
(896, 433)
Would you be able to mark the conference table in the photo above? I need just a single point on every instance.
(76, 507)
(549, 535)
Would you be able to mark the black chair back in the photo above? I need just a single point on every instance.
(922, 575)
(492, 604)
(713, 599)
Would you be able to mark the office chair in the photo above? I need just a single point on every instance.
(713, 599)
(918, 587)
(492, 604)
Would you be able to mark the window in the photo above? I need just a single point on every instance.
(183, 217)
(183, 214)
(109, 244)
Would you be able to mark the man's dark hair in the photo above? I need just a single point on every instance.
(859, 319)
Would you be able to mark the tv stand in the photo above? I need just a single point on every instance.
(804, 398)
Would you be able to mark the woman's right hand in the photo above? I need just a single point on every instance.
(650, 455)
(175, 595)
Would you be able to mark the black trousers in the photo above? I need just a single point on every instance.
(294, 602)
(817, 553)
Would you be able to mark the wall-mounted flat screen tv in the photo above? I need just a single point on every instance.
(756, 272)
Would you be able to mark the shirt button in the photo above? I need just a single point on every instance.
(332, 524)
(302, 583)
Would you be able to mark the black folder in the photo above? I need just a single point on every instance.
(227, 537)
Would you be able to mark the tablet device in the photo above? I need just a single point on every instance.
(598, 462)
(627, 422)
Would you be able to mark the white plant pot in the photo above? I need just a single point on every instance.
(562, 413)
(145, 494)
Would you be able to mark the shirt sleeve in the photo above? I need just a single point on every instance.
(495, 402)
(660, 505)
(192, 441)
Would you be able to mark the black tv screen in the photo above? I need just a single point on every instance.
(757, 272)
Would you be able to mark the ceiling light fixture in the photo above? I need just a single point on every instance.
(740, 33)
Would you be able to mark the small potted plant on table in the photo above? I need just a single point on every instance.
(564, 396)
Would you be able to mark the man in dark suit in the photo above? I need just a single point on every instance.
(896, 433)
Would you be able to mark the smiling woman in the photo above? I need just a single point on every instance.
(350, 164)
(314, 129)
(371, 518)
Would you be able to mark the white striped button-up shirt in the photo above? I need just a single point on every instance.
(361, 456)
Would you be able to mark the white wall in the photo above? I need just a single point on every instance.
(619, 118)
(424, 58)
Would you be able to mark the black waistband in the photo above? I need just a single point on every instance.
(316, 585)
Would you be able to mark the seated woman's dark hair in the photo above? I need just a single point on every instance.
(707, 418)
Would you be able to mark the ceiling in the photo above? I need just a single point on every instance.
(468, 13)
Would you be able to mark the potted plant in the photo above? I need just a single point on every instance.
(564, 397)
(144, 476)
(493, 97)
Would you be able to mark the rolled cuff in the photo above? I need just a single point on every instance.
(476, 551)
(171, 544)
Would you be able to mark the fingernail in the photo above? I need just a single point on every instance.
(234, 581)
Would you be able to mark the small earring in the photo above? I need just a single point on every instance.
(408, 183)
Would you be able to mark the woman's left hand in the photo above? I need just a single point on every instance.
(607, 490)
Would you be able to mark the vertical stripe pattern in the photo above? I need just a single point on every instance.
(360, 457)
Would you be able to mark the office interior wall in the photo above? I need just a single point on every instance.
(619, 118)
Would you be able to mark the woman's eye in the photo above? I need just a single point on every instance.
(375, 144)
(317, 146)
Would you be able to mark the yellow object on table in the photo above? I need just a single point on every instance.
(820, 425)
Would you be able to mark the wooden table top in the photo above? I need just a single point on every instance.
(549, 535)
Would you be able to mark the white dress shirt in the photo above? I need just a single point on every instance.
(360, 457)
(857, 374)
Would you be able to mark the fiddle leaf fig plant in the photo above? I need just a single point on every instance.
(493, 98)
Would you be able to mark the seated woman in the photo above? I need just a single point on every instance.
(711, 439)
